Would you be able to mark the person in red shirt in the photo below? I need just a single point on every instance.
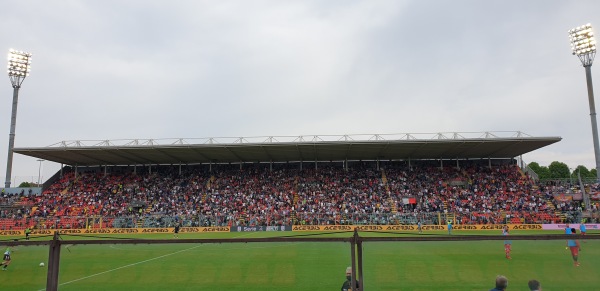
(507, 243)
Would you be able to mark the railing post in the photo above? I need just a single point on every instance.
(360, 261)
(353, 257)
(53, 264)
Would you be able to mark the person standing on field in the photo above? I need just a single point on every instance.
(573, 244)
(507, 243)
(27, 233)
(6, 259)
(582, 229)
(347, 286)
(176, 230)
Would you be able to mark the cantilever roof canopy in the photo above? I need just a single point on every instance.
(495, 145)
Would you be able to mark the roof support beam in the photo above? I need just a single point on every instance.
(170, 156)
(299, 153)
(234, 154)
(264, 148)
(119, 154)
(199, 153)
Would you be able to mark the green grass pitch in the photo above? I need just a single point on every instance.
(305, 265)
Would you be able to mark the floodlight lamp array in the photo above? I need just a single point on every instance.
(582, 39)
(19, 63)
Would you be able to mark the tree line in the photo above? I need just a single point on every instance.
(559, 170)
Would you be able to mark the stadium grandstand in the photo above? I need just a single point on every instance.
(467, 178)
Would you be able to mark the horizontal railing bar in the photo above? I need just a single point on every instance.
(305, 239)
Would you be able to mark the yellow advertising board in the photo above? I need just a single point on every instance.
(297, 228)
(38, 232)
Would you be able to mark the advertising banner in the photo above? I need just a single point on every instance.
(323, 228)
(205, 229)
(260, 228)
(11, 232)
(563, 197)
(301, 228)
(37, 232)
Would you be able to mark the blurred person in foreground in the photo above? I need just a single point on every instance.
(501, 283)
(534, 285)
(6, 259)
(347, 286)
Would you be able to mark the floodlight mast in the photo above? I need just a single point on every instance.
(583, 45)
(19, 65)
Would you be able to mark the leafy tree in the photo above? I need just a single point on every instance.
(583, 171)
(535, 167)
(25, 185)
(559, 170)
(542, 172)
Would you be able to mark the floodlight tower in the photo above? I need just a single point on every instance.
(39, 171)
(19, 64)
(583, 45)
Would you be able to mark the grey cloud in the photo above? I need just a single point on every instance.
(152, 69)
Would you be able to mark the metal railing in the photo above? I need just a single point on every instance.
(356, 246)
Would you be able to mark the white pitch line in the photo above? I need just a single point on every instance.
(122, 267)
(133, 264)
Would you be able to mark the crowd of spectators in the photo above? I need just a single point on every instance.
(567, 197)
(285, 194)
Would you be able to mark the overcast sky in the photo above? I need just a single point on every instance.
(193, 69)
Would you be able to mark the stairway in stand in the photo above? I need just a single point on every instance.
(41, 223)
(148, 209)
(71, 185)
(205, 194)
(503, 216)
(557, 212)
(449, 215)
(295, 201)
(210, 181)
(391, 202)
(208, 187)
(242, 219)
(522, 173)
